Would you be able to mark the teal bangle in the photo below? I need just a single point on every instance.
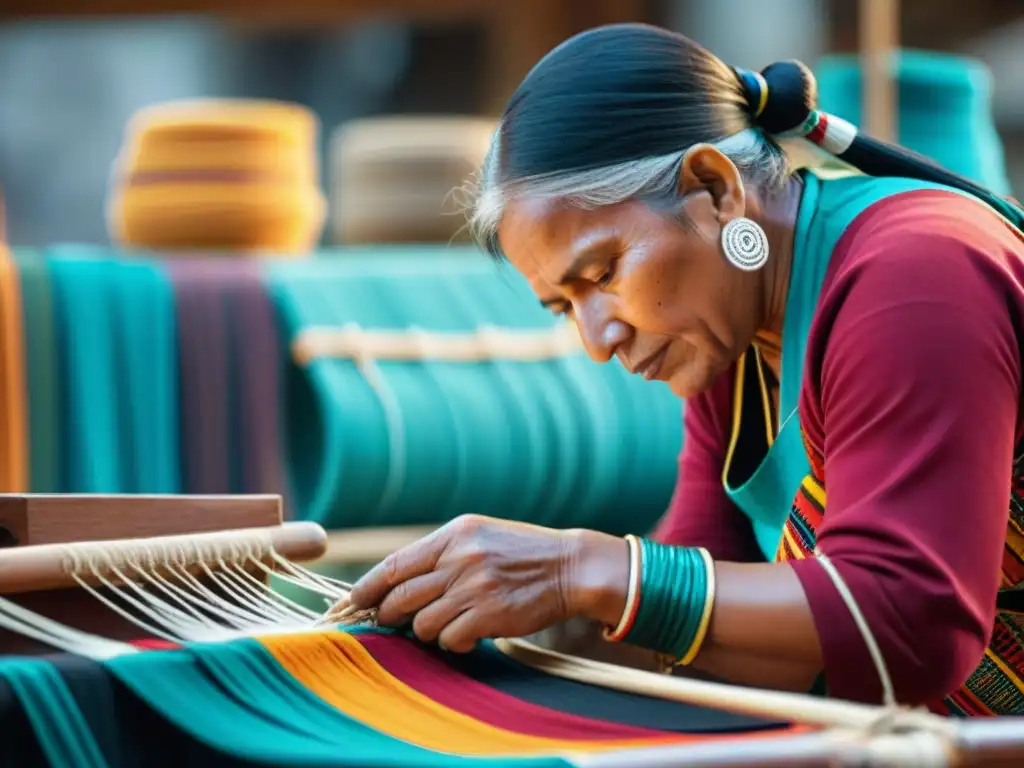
(673, 598)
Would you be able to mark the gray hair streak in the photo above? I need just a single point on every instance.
(763, 162)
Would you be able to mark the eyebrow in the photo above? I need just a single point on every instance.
(587, 255)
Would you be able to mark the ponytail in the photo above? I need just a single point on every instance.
(782, 100)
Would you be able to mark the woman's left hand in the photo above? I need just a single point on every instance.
(480, 577)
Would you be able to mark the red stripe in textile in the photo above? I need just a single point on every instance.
(154, 644)
(431, 677)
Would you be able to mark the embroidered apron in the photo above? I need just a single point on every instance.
(827, 208)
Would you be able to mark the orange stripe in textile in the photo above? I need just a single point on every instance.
(338, 669)
(13, 403)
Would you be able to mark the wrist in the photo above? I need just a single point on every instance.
(597, 576)
(669, 607)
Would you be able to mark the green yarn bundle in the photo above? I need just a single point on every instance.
(945, 109)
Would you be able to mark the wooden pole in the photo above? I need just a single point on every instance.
(879, 40)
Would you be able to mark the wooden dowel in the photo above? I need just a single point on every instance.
(368, 546)
(979, 742)
(50, 566)
(354, 342)
(798, 708)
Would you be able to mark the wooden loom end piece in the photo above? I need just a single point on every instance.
(300, 542)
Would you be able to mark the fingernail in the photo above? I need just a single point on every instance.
(441, 646)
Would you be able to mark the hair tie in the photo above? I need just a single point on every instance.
(756, 89)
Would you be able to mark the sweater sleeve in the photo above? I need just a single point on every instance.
(919, 390)
(700, 513)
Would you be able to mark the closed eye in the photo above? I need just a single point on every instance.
(606, 278)
(608, 275)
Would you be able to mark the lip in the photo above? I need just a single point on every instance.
(651, 367)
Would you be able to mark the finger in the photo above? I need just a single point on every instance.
(402, 602)
(428, 623)
(463, 632)
(416, 559)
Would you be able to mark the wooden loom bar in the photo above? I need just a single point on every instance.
(52, 566)
(31, 524)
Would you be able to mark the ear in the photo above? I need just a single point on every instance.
(704, 167)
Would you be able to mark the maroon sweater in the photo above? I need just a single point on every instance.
(911, 410)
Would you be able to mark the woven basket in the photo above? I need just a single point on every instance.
(393, 179)
(219, 175)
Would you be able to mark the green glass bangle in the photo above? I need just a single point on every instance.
(672, 599)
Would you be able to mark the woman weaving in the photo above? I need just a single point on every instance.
(846, 512)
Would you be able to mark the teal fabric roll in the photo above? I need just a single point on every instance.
(118, 368)
(43, 385)
(564, 442)
(945, 109)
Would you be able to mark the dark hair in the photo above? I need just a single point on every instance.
(623, 97)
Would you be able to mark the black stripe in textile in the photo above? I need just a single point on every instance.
(130, 733)
(18, 745)
(89, 684)
(490, 666)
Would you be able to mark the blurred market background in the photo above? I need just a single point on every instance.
(268, 290)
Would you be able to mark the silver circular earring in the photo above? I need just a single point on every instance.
(745, 244)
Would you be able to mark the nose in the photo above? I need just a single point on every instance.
(602, 333)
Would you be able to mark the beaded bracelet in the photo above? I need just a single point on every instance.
(669, 601)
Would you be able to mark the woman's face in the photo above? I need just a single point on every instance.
(641, 285)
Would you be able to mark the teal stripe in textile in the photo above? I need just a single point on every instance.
(564, 442)
(59, 725)
(252, 709)
(41, 367)
(118, 366)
